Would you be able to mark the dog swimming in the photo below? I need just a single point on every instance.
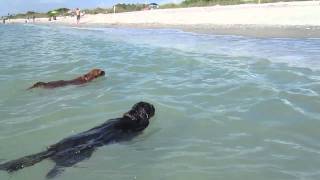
(93, 74)
(76, 148)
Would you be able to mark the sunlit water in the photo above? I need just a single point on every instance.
(227, 107)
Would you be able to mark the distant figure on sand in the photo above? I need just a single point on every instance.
(78, 13)
(33, 18)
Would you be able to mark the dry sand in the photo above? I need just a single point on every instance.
(283, 19)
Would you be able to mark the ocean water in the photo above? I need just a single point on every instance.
(227, 107)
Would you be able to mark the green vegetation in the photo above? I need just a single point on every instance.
(129, 7)
(169, 5)
(62, 10)
(59, 12)
(189, 3)
(198, 3)
(98, 10)
(119, 9)
(30, 14)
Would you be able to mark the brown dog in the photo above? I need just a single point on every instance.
(93, 74)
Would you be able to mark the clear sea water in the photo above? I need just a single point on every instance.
(227, 107)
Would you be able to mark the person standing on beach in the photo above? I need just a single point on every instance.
(78, 13)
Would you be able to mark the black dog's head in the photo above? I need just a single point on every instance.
(138, 117)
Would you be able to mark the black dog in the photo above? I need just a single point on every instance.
(76, 148)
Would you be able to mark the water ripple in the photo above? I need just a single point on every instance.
(227, 107)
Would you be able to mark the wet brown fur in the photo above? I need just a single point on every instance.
(93, 74)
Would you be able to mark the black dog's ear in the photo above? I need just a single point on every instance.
(138, 117)
(145, 109)
(135, 119)
(143, 115)
(131, 115)
(137, 114)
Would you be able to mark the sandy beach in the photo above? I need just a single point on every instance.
(283, 19)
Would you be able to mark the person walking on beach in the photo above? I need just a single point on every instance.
(78, 13)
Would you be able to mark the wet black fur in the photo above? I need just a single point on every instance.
(76, 148)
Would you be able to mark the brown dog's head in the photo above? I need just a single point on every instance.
(93, 74)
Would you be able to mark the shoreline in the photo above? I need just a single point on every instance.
(255, 31)
(259, 31)
(279, 20)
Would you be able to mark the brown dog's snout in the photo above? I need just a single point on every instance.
(102, 73)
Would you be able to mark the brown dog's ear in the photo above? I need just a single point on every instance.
(92, 74)
(96, 72)
(86, 77)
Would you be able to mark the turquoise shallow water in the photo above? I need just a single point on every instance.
(227, 107)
